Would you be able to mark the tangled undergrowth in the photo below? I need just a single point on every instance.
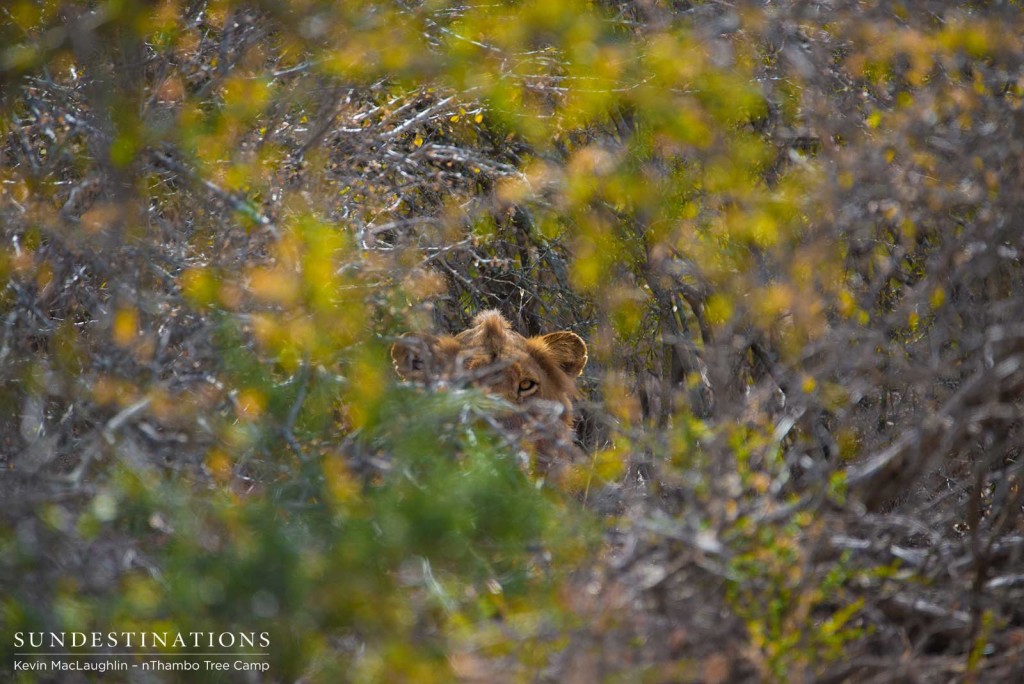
(787, 231)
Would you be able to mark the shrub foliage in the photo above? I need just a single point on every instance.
(788, 232)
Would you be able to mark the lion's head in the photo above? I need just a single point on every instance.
(529, 372)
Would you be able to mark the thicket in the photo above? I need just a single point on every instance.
(787, 231)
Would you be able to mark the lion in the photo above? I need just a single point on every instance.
(535, 375)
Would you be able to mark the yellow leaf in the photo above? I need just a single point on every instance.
(126, 326)
(718, 309)
(250, 404)
(274, 285)
(847, 304)
(218, 464)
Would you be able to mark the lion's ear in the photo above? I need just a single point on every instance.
(412, 355)
(568, 351)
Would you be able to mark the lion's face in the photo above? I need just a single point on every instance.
(490, 355)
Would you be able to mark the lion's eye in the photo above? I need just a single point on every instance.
(527, 387)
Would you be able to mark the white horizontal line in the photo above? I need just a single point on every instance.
(137, 653)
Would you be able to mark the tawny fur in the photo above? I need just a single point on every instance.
(492, 356)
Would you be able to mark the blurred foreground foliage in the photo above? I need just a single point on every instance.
(789, 233)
